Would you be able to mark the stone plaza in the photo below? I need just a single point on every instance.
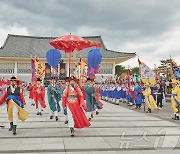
(117, 129)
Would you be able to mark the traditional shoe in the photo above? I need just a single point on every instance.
(56, 118)
(51, 117)
(149, 110)
(91, 115)
(11, 126)
(2, 126)
(177, 117)
(40, 113)
(72, 131)
(89, 119)
(14, 129)
(66, 122)
(97, 112)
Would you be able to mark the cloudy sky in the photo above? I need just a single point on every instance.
(151, 28)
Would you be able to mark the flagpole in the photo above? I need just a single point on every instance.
(139, 62)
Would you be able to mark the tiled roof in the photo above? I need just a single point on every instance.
(30, 46)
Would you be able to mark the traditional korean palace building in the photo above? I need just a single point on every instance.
(17, 51)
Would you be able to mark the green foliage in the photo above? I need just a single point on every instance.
(119, 69)
(135, 70)
(164, 63)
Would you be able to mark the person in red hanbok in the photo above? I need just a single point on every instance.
(73, 100)
(39, 96)
(97, 98)
(31, 92)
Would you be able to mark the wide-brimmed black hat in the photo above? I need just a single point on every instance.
(13, 78)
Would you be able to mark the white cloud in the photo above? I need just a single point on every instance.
(157, 49)
(4, 31)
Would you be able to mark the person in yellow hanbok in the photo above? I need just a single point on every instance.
(175, 100)
(149, 100)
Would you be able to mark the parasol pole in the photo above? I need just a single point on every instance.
(69, 64)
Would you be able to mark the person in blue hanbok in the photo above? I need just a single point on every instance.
(118, 94)
(124, 96)
(113, 90)
(138, 95)
(106, 92)
(109, 92)
(54, 96)
(103, 91)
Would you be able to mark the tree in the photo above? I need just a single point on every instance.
(164, 63)
(135, 70)
(119, 69)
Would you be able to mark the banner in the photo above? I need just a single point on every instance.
(40, 68)
(62, 71)
(37, 69)
(146, 73)
(33, 70)
(47, 72)
(83, 69)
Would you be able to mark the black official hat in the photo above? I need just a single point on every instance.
(38, 79)
(72, 78)
(88, 79)
(67, 79)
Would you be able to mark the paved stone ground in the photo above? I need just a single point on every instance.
(116, 130)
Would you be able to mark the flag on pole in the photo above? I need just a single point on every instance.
(37, 69)
(83, 69)
(175, 70)
(146, 73)
(40, 68)
(33, 70)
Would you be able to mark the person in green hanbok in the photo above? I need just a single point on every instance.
(54, 96)
(90, 99)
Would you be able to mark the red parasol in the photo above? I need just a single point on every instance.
(70, 43)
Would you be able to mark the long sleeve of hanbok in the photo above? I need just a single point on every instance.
(64, 98)
(3, 97)
(21, 98)
(147, 92)
(81, 99)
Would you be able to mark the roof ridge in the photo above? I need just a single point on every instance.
(121, 52)
(33, 36)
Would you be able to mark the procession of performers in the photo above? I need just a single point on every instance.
(81, 101)
(134, 94)
(71, 95)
